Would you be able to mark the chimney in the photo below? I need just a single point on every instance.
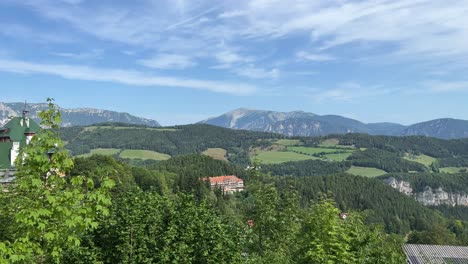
(26, 114)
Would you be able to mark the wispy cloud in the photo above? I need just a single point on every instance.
(349, 92)
(86, 55)
(128, 77)
(307, 56)
(251, 71)
(168, 61)
(413, 29)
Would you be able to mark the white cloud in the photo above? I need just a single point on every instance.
(303, 55)
(86, 55)
(128, 77)
(253, 72)
(169, 61)
(229, 57)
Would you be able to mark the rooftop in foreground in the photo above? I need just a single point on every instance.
(435, 254)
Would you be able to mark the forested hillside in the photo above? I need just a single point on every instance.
(170, 140)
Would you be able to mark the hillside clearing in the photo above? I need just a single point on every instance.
(453, 169)
(143, 154)
(312, 150)
(216, 153)
(102, 151)
(423, 159)
(275, 157)
(337, 156)
(289, 142)
(365, 171)
(330, 142)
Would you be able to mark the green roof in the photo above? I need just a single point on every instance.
(15, 130)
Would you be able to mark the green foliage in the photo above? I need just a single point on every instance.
(51, 210)
(433, 147)
(149, 228)
(275, 219)
(384, 160)
(397, 212)
(306, 168)
(327, 238)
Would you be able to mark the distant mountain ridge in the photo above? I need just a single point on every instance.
(299, 123)
(75, 116)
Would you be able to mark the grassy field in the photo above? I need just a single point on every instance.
(216, 153)
(289, 142)
(274, 157)
(423, 159)
(366, 172)
(338, 156)
(452, 169)
(102, 151)
(330, 142)
(312, 150)
(143, 154)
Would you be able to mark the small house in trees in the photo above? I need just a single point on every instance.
(229, 184)
(16, 134)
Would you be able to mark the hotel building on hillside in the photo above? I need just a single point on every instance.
(229, 184)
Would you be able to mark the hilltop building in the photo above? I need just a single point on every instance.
(16, 134)
(229, 184)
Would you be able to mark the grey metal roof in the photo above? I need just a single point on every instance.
(435, 254)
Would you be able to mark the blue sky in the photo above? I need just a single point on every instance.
(181, 61)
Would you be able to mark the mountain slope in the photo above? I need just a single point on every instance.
(74, 117)
(300, 123)
(295, 123)
(446, 128)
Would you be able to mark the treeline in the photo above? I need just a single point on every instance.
(385, 160)
(173, 141)
(306, 168)
(434, 147)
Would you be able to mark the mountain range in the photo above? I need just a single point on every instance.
(300, 123)
(296, 123)
(73, 117)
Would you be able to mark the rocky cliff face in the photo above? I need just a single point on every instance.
(430, 196)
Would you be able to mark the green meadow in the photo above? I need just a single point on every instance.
(365, 171)
(143, 154)
(274, 157)
(423, 159)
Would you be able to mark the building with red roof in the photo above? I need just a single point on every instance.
(229, 183)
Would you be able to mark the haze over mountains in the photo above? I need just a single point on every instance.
(300, 123)
(74, 117)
